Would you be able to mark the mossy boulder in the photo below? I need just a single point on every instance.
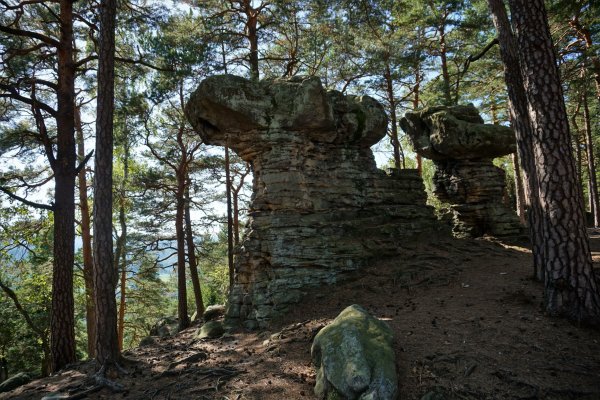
(213, 312)
(20, 379)
(165, 327)
(354, 358)
(211, 330)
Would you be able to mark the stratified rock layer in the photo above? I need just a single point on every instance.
(320, 207)
(462, 148)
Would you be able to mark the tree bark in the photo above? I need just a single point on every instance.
(122, 302)
(107, 345)
(236, 209)
(252, 36)
(593, 182)
(86, 243)
(181, 176)
(519, 190)
(571, 289)
(182, 310)
(122, 238)
(236, 218)
(120, 251)
(191, 251)
(521, 123)
(229, 218)
(416, 94)
(444, 61)
(62, 321)
(398, 160)
(576, 138)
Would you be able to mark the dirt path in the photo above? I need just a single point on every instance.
(468, 324)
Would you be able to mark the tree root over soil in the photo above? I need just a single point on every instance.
(221, 375)
(93, 384)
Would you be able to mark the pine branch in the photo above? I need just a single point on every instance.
(124, 60)
(12, 93)
(34, 35)
(83, 162)
(25, 201)
(10, 293)
(476, 57)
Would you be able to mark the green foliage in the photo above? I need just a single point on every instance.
(27, 271)
(428, 169)
(146, 300)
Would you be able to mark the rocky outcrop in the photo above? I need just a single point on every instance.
(354, 358)
(320, 207)
(15, 381)
(462, 148)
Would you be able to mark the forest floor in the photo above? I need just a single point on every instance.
(468, 323)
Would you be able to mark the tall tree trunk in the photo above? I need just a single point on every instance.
(62, 320)
(518, 180)
(181, 175)
(576, 138)
(120, 250)
(182, 309)
(191, 251)
(86, 243)
(389, 86)
(521, 123)
(593, 182)
(235, 195)
(107, 344)
(122, 238)
(444, 61)
(229, 218)
(252, 36)
(236, 218)
(122, 302)
(416, 94)
(519, 190)
(571, 289)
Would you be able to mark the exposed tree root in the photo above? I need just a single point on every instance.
(103, 381)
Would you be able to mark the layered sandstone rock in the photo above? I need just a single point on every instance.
(462, 148)
(320, 207)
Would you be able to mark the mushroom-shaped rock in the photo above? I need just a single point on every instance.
(458, 132)
(320, 207)
(354, 358)
(249, 116)
(462, 148)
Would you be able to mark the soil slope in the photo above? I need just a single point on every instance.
(468, 324)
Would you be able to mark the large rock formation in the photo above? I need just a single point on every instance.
(320, 207)
(462, 148)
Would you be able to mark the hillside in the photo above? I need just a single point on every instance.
(467, 320)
